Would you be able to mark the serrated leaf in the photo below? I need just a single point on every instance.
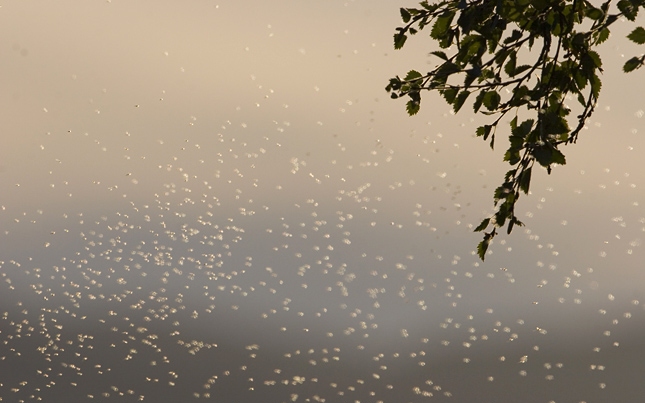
(520, 96)
(552, 123)
(502, 192)
(521, 69)
(594, 13)
(627, 8)
(450, 95)
(632, 64)
(482, 247)
(523, 129)
(637, 35)
(471, 75)
(482, 226)
(515, 35)
(596, 59)
(510, 174)
(509, 68)
(491, 100)
(412, 107)
(399, 40)
(484, 131)
(478, 102)
(543, 156)
(412, 75)
(525, 180)
(557, 157)
(596, 84)
(602, 36)
(461, 98)
(512, 156)
(441, 25)
(501, 55)
(447, 69)
(473, 42)
(581, 80)
(546, 156)
(440, 54)
(405, 15)
(502, 214)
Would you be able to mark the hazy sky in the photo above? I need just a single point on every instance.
(218, 200)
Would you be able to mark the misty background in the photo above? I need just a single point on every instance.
(219, 201)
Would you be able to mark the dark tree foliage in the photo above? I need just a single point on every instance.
(508, 56)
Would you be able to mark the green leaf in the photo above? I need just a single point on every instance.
(502, 214)
(556, 29)
(461, 98)
(412, 107)
(557, 157)
(602, 36)
(521, 69)
(491, 100)
(482, 226)
(510, 175)
(467, 18)
(412, 75)
(484, 131)
(594, 13)
(596, 58)
(520, 96)
(478, 101)
(471, 75)
(510, 65)
(450, 94)
(524, 129)
(503, 192)
(546, 156)
(637, 35)
(482, 247)
(552, 123)
(590, 61)
(399, 40)
(581, 80)
(512, 156)
(447, 69)
(515, 35)
(543, 155)
(627, 8)
(501, 55)
(512, 222)
(525, 180)
(596, 84)
(440, 54)
(632, 64)
(405, 15)
(441, 25)
(510, 226)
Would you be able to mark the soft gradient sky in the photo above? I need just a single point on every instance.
(218, 200)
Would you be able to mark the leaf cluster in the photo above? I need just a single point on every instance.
(482, 45)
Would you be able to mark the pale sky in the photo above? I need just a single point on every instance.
(218, 200)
